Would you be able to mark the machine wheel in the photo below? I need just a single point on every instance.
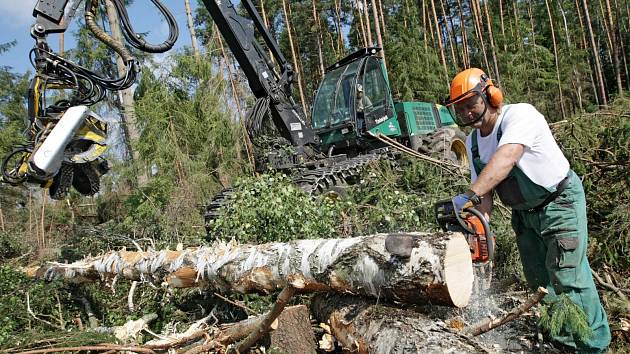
(444, 143)
(86, 180)
(336, 192)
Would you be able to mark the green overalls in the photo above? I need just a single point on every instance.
(552, 237)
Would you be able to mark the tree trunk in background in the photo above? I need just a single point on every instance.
(62, 38)
(448, 33)
(555, 56)
(595, 51)
(462, 25)
(298, 54)
(621, 44)
(604, 22)
(266, 21)
(340, 46)
(408, 268)
(237, 98)
(191, 29)
(366, 14)
(531, 21)
(406, 15)
(493, 46)
(296, 68)
(382, 17)
(575, 79)
(320, 54)
(585, 45)
(438, 32)
(377, 28)
(614, 50)
(625, 63)
(126, 98)
(519, 38)
(502, 26)
(479, 30)
(608, 40)
(2, 227)
(426, 20)
(235, 95)
(363, 31)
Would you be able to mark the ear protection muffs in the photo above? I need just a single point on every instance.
(494, 95)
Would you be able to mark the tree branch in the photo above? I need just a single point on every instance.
(490, 324)
(281, 302)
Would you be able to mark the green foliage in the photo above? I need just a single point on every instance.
(379, 203)
(44, 298)
(10, 246)
(564, 316)
(12, 105)
(414, 67)
(34, 339)
(598, 147)
(192, 146)
(272, 208)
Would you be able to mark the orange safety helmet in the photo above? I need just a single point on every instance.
(474, 81)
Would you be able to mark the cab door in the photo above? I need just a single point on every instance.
(377, 102)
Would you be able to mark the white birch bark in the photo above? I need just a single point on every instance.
(409, 268)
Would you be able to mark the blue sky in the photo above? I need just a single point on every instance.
(16, 20)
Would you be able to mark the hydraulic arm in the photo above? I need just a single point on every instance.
(272, 89)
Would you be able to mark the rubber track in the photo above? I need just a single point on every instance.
(313, 182)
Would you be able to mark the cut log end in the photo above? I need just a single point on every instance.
(458, 270)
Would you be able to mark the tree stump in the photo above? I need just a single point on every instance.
(294, 334)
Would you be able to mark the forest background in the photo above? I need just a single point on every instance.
(181, 139)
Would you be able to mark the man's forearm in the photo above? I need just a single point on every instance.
(497, 169)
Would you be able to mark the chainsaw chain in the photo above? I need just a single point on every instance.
(312, 181)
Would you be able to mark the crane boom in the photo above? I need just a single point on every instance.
(265, 83)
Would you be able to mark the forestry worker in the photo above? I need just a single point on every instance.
(514, 153)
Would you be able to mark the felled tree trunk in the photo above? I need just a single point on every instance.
(410, 268)
(363, 326)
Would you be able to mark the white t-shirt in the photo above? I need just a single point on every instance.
(542, 161)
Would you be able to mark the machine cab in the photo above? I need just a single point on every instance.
(354, 97)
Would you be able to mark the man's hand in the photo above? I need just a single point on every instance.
(465, 200)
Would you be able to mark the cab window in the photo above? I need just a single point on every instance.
(334, 102)
(374, 85)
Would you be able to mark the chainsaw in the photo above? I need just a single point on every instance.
(473, 225)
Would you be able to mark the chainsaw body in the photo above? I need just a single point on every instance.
(472, 224)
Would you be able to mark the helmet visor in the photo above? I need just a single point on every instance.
(467, 111)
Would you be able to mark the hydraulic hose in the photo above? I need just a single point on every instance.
(136, 40)
(90, 9)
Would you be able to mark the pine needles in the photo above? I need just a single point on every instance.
(564, 316)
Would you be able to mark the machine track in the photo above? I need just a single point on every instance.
(313, 181)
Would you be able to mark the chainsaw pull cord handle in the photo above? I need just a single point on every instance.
(486, 229)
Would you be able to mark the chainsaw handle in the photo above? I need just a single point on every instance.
(486, 229)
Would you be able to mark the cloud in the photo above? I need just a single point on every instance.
(16, 13)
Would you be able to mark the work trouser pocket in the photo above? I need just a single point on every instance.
(567, 255)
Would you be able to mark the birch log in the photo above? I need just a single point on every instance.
(363, 326)
(409, 268)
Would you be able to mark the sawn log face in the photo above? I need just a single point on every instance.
(436, 269)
